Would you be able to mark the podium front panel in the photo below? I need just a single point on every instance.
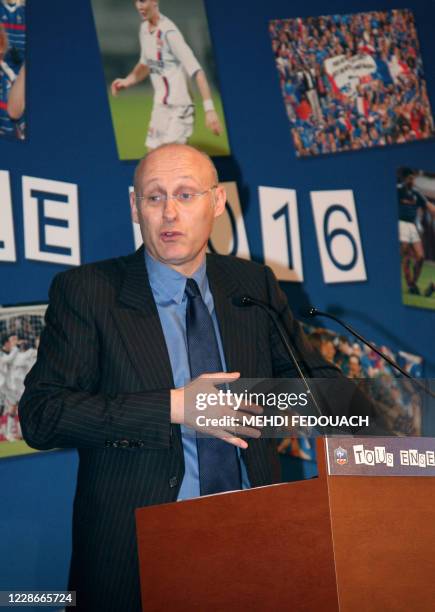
(262, 549)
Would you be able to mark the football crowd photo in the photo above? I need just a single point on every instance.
(399, 405)
(352, 81)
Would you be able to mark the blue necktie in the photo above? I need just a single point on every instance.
(219, 466)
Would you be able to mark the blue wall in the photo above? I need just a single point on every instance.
(70, 138)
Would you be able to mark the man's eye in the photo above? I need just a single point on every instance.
(185, 196)
(155, 198)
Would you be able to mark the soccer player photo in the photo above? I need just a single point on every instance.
(416, 198)
(160, 75)
(352, 81)
(20, 330)
(12, 72)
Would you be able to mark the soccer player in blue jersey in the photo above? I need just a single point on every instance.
(13, 26)
(13, 18)
(411, 246)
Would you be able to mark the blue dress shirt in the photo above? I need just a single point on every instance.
(168, 288)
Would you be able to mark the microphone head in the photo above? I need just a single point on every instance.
(242, 300)
(309, 312)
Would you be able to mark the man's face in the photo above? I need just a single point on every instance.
(327, 350)
(10, 343)
(146, 8)
(409, 181)
(176, 233)
(354, 366)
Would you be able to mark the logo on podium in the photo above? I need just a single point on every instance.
(340, 456)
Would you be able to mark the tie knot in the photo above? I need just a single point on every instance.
(192, 289)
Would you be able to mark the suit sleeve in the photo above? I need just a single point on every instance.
(62, 405)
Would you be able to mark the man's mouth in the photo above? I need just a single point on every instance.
(169, 236)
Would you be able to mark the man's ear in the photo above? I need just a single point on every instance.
(133, 207)
(220, 198)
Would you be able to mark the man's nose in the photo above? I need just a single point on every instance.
(170, 209)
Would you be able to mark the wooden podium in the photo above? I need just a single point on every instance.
(333, 543)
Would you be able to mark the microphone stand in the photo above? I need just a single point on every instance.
(248, 301)
(313, 312)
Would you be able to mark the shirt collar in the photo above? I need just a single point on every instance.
(168, 285)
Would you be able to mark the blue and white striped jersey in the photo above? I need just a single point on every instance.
(13, 18)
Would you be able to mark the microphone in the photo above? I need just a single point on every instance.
(314, 312)
(247, 301)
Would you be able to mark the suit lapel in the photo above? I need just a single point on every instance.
(236, 324)
(139, 324)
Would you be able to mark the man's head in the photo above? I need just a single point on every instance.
(323, 342)
(354, 365)
(174, 231)
(327, 348)
(8, 342)
(147, 9)
(408, 178)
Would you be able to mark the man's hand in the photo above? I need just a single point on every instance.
(118, 85)
(206, 385)
(138, 74)
(212, 122)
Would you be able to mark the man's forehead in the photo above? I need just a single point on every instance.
(176, 163)
(174, 175)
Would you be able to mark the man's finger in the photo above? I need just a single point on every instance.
(250, 408)
(231, 439)
(218, 378)
(245, 431)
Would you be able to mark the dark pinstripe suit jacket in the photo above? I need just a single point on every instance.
(102, 383)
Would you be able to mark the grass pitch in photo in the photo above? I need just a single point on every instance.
(416, 198)
(160, 75)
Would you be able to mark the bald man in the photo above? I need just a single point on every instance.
(120, 346)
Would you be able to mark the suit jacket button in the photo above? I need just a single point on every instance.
(173, 481)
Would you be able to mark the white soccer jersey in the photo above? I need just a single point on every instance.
(6, 360)
(169, 59)
(18, 370)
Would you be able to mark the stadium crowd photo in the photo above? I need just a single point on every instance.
(352, 81)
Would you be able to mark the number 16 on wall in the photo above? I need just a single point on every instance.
(338, 236)
(280, 232)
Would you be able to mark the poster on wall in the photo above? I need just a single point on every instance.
(20, 330)
(160, 75)
(416, 200)
(352, 81)
(12, 69)
(399, 405)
